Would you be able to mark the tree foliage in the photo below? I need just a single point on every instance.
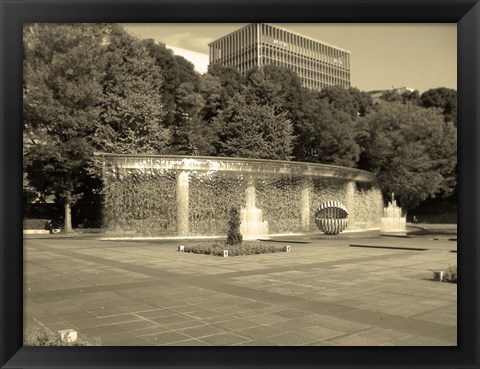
(350, 100)
(411, 97)
(131, 108)
(251, 130)
(192, 135)
(278, 87)
(392, 96)
(444, 99)
(407, 97)
(325, 134)
(86, 87)
(410, 149)
(211, 91)
(94, 87)
(231, 82)
(62, 86)
(175, 71)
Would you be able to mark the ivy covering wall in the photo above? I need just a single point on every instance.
(368, 207)
(279, 200)
(210, 199)
(141, 202)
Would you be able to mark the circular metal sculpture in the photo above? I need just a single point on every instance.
(331, 217)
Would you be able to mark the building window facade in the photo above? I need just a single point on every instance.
(317, 64)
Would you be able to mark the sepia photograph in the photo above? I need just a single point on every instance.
(240, 184)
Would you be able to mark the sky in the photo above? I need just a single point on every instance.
(420, 56)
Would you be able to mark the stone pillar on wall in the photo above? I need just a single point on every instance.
(350, 193)
(182, 204)
(305, 194)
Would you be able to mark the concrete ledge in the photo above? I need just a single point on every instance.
(244, 165)
(389, 247)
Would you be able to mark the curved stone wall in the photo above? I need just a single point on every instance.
(164, 196)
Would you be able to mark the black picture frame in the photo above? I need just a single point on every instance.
(13, 13)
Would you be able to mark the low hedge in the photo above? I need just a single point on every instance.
(246, 248)
(34, 223)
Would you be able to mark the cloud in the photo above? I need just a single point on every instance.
(187, 40)
(174, 35)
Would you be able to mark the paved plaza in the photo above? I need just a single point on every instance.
(324, 292)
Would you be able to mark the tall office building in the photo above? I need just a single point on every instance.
(316, 63)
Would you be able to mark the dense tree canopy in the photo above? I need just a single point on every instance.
(95, 87)
(63, 70)
(278, 87)
(351, 100)
(325, 134)
(175, 71)
(192, 135)
(131, 108)
(410, 149)
(86, 87)
(444, 99)
(211, 91)
(412, 97)
(391, 96)
(252, 130)
(231, 82)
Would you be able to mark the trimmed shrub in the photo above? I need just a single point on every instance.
(234, 237)
(451, 274)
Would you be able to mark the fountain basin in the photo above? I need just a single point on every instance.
(184, 196)
(392, 220)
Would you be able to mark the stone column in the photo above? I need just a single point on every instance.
(306, 189)
(182, 204)
(350, 194)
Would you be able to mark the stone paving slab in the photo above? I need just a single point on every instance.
(322, 293)
(224, 339)
(304, 336)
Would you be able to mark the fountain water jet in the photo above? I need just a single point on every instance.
(252, 225)
(392, 220)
